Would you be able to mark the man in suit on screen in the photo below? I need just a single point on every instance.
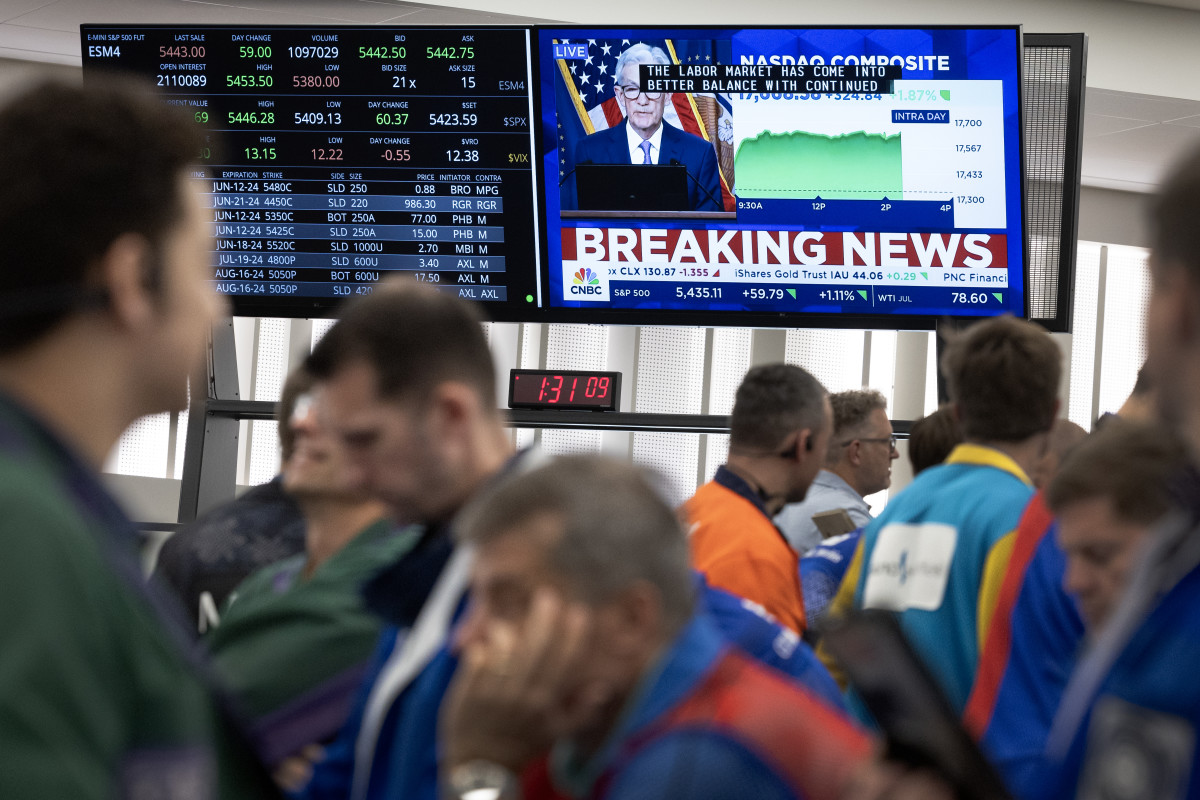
(645, 138)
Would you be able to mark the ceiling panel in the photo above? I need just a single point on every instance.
(1138, 106)
(11, 9)
(1100, 125)
(452, 16)
(1144, 144)
(1115, 173)
(1190, 122)
(315, 12)
(349, 12)
(67, 14)
(39, 44)
(1192, 5)
(1130, 140)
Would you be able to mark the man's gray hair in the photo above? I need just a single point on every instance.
(640, 53)
(616, 529)
(851, 412)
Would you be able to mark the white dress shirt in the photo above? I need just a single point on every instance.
(636, 155)
(828, 492)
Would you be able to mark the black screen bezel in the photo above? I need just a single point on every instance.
(287, 307)
(761, 319)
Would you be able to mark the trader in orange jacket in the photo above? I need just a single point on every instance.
(779, 433)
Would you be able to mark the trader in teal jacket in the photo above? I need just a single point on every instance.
(937, 553)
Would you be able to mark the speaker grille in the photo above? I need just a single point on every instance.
(1053, 107)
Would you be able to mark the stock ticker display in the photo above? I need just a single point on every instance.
(350, 154)
(818, 171)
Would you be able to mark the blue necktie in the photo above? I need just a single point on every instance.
(645, 145)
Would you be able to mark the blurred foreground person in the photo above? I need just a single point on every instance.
(778, 436)
(1142, 403)
(587, 671)
(1130, 712)
(205, 561)
(1107, 495)
(1064, 436)
(106, 305)
(938, 552)
(1071, 562)
(933, 438)
(294, 642)
(407, 382)
(1031, 600)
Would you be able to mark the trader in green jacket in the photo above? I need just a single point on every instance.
(295, 639)
(105, 302)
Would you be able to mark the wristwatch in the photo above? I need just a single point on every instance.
(481, 780)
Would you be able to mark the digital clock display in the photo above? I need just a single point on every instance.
(579, 390)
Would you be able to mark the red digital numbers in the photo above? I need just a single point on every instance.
(596, 388)
(564, 390)
(555, 383)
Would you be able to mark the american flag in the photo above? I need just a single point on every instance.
(584, 93)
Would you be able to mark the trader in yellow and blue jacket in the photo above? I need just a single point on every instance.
(937, 553)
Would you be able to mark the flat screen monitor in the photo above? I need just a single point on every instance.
(353, 153)
(865, 176)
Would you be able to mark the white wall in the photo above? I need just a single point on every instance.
(14, 74)
(1115, 217)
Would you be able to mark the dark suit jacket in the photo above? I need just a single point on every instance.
(611, 146)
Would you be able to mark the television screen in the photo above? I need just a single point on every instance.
(350, 154)
(781, 176)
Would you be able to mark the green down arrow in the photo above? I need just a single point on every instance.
(863, 293)
(998, 296)
(792, 292)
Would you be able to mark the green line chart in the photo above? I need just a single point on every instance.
(798, 164)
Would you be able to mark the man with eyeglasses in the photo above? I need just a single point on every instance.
(644, 138)
(859, 463)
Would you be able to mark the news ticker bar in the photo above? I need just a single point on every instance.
(802, 298)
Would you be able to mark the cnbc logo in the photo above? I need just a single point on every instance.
(584, 282)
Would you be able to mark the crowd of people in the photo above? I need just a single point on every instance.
(417, 609)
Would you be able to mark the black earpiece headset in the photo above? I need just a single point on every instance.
(790, 453)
